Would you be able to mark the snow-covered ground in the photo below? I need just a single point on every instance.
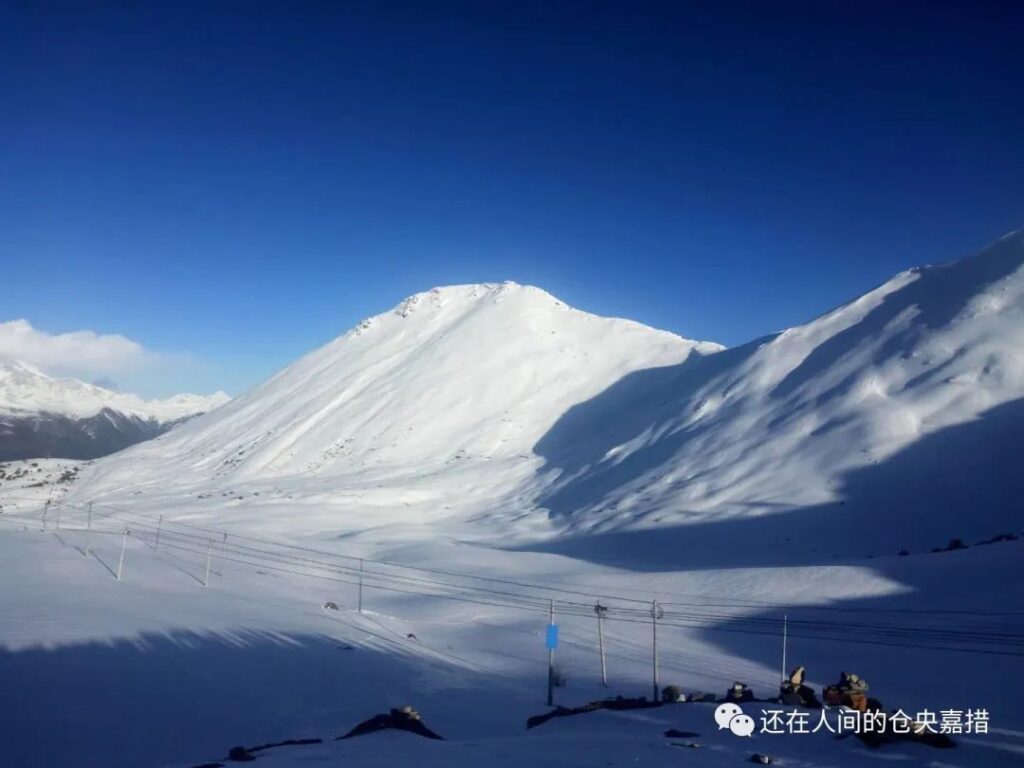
(486, 450)
(159, 670)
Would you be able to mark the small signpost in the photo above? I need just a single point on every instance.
(552, 643)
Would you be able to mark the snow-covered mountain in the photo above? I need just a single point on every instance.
(41, 415)
(511, 450)
(445, 396)
(895, 418)
(500, 402)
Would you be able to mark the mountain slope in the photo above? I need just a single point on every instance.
(801, 419)
(43, 416)
(500, 403)
(455, 381)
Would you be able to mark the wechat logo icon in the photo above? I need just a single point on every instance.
(730, 716)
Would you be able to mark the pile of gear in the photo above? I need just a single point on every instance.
(851, 691)
(795, 692)
(739, 693)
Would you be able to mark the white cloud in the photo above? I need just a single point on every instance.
(78, 353)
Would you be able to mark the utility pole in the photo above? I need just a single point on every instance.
(88, 532)
(120, 562)
(46, 506)
(656, 613)
(209, 557)
(552, 641)
(360, 602)
(785, 638)
(601, 610)
(223, 550)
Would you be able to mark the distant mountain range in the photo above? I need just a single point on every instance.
(42, 416)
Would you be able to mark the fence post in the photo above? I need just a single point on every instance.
(601, 610)
(120, 562)
(88, 525)
(360, 601)
(209, 557)
(46, 506)
(655, 611)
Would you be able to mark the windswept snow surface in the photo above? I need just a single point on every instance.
(491, 430)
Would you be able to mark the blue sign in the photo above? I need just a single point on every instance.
(552, 637)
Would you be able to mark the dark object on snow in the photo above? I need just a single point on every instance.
(411, 636)
(618, 703)
(673, 733)
(672, 694)
(851, 691)
(245, 754)
(739, 692)
(331, 605)
(286, 743)
(761, 759)
(402, 719)
(209, 765)
(999, 538)
(802, 696)
(903, 553)
(794, 693)
(701, 696)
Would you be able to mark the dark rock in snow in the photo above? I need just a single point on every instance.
(240, 755)
(673, 733)
(618, 703)
(402, 719)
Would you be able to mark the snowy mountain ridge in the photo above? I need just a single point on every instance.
(25, 389)
(43, 416)
(466, 400)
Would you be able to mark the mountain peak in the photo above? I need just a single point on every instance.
(468, 294)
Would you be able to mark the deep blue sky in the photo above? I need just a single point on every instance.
(244, 181)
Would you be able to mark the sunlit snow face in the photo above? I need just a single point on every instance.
(725, 713)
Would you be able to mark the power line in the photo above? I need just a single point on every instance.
(705, 616)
